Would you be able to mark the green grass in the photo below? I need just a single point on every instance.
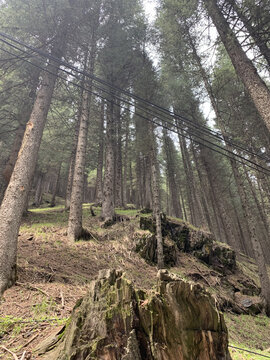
(244, 355)
(248, 332)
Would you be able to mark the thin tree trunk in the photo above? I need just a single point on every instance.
(72, 162)
(118, 160)
(246, 71)
(156, 198)
(99, 181)
(125, 164)
(260, 42)
(171, 173)
(56, 185)
(12, 206)
(189, 178)
(108, 186)
(38, 192)
(77, 193)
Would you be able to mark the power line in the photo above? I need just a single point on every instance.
(249, 351)
(173, 115)
(234, 157)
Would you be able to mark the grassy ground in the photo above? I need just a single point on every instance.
(54, 273)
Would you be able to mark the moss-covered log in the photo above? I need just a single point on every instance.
(116, 322)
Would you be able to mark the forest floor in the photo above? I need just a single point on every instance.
(54, 273)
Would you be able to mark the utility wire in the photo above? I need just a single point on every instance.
(134, 96)
(248, 351)
(234, 157)
(166, 120)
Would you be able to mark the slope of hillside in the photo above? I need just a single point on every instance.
(53, 274)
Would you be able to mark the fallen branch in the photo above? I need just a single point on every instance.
(12, 353)
(23, 355)
(31, 287)
(32, 339)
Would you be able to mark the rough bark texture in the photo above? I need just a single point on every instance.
(108, 186)
(156, 198)
(99, 180)
(116, 322)
(246, 71)
(255, 33)
(38, 192)
(24, 115)
(56, 184)
(15, 197)
(75, 215)
(171, 174)
(72, 162)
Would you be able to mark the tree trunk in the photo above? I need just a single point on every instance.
(56, 185)
(77, 193)
(171, 173)
(38, 192)
(12, 206)
(99, 180)
(24, 117)
(246, 71)
(118, 159)
(188, 176)
(259, 41)
(125, 164)
(156, 197)
(108, 186)
(72, 162)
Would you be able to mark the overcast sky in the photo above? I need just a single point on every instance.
(149, 6)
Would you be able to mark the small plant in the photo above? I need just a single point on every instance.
(45, 307)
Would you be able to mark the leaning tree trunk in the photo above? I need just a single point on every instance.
(246, 71)
(25, 113)
(156, 196)
(12, 206)
(259, 41)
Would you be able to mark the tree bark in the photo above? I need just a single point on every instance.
(72, 162)
(56, 185)
(118, 160)
(108, 186)
(12, 206)
(77, 193)
(156, 197)
(246, 71)
(38, 192)
(260, 42)
(171, 173)
(24, 117)
(99, 180)
(125, 164)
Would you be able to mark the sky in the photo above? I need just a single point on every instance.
(150, 11)
(149, 6)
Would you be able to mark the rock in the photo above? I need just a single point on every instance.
(195, 241)
(116, 322)
(251, 304)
